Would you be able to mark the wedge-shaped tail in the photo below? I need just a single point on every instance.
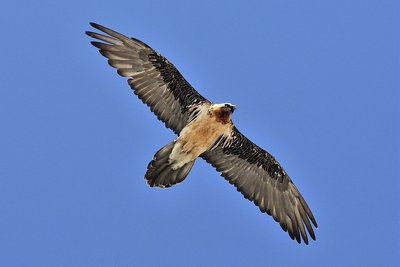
(160, 172)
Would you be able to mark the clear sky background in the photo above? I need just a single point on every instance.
(316, 84)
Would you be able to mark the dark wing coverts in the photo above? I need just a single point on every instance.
(152, 77)
(259, 177)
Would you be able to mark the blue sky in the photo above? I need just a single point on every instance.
(316, 84)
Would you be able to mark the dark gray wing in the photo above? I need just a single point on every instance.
(152, 77)
(259, 177)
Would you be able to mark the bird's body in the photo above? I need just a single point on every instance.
(212, 122)
(204, 130)
(201, 133)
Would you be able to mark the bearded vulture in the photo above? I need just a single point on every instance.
(205, 130)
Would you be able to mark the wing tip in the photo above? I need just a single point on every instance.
(95, 25)
(314, 221)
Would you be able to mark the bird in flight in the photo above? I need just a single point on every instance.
(204, 130)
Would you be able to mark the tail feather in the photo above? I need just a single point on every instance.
(160, 172)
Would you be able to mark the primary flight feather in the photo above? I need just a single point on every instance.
(204, 130)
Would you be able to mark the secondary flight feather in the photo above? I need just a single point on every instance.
(204, 130)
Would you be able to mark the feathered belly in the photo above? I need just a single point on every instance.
(196, 138)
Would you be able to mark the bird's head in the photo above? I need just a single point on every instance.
(223, 111)
(224, 107)
(229, 107)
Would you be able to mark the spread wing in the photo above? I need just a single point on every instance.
(259, 177)
(152, 77)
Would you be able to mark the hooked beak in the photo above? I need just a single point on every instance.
(231, 108)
